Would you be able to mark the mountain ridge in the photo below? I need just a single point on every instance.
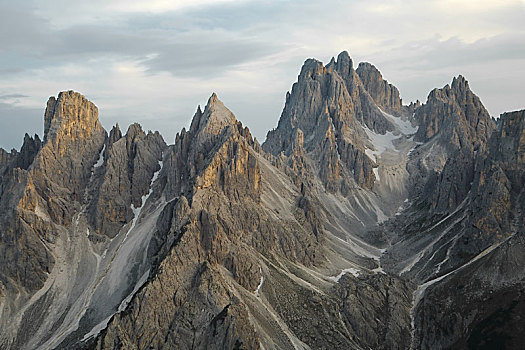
(340, 231)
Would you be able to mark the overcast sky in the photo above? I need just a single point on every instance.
(154, 61)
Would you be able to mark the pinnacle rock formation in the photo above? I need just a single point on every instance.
(384, 94)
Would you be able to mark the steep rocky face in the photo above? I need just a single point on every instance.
(131, 162)
(330, 105)
(49, 244)
(467, 254)
(457, 115)
(454, 128)
(218, 229)
(384, 94)
(72, 135)
(340, 232)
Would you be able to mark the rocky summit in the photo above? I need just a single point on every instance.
(360, 223)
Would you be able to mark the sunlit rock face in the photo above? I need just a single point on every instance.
(359, 223)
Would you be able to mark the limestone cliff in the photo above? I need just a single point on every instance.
(360, 223)
(330, 105)
(384, 94)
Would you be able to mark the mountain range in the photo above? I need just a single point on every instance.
(360, 223)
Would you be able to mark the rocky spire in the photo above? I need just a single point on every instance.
(344, 65)
(456, 114)
(70, 115)
(115, 134)
(384, 94)
(28, 151)
(330, 97)
(73, 138)
(214, 119)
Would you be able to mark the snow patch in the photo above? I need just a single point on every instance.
(404, 126)
(380, 143)
(376, 173)
(353, 271)
(100, 160)
(260, 283)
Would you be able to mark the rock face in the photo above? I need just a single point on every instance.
(384, 94)
(48, 241)
(483, 312)
(456, 115)
(360, 223)
(131, 162)
(331, 107)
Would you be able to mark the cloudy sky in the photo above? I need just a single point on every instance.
(155, 61)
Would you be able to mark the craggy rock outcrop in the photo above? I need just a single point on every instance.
(218, 229)
(377, 309)
(328, 104)
(384, 94)
(29, 150)
(131, 162)
(45, 194)
(457, 128)
(356, 225)
(455, 115)
(46, 189)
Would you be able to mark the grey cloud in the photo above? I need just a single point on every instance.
(432, 53)
(12, 96)
(15, 122)
(491, 65)
(204, 51)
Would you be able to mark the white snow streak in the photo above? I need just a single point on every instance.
(98, 328)
(404, 126)
(418, 257)
(139, 284)
(353, 271)
(122, 251)
(100, 160)
(137, 211)
(376, 173)
(260, 283)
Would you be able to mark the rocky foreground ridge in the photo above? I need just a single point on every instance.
(359, 223)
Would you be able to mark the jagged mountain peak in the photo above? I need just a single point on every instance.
(311, 67)
(344, 64)
(215, 118)
(460, 82)
(70, 114)
(332, 102)
(459, 86)
(134, 130)
(456, 114)
(384, 94)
